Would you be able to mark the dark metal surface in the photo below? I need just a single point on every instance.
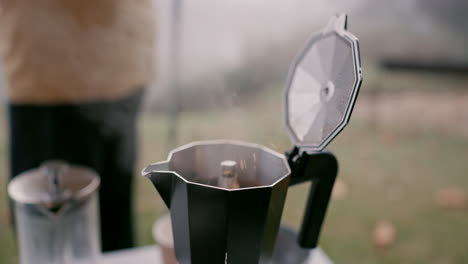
(321, 168)
(213, 224)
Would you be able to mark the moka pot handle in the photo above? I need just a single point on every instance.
(321, 168)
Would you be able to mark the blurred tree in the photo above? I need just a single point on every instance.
(451, 13)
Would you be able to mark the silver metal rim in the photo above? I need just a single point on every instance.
(80, 195)
(217, 142)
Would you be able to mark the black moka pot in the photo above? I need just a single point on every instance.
(226, 197)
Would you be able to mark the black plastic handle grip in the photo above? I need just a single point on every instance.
(321, 168)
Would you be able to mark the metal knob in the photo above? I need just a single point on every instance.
(228, 178)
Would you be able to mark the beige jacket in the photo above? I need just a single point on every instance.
(60, 51)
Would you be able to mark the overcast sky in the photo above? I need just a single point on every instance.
(216, 31)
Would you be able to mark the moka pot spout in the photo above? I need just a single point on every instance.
(162, 179)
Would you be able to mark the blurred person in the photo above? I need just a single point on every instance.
(76, 72)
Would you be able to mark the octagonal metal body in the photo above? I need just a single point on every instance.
(218, 225)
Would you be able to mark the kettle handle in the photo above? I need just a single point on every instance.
(321, 168)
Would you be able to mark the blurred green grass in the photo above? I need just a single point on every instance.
(391, 173)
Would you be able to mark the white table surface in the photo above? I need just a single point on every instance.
(152, 255)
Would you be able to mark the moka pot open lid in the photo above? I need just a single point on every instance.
(322, 86)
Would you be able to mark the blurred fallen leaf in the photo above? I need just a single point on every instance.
(384, 235)
(451, 198)
(340, 190)
(389, 138)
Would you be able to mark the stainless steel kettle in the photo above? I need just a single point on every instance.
(57, 219)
